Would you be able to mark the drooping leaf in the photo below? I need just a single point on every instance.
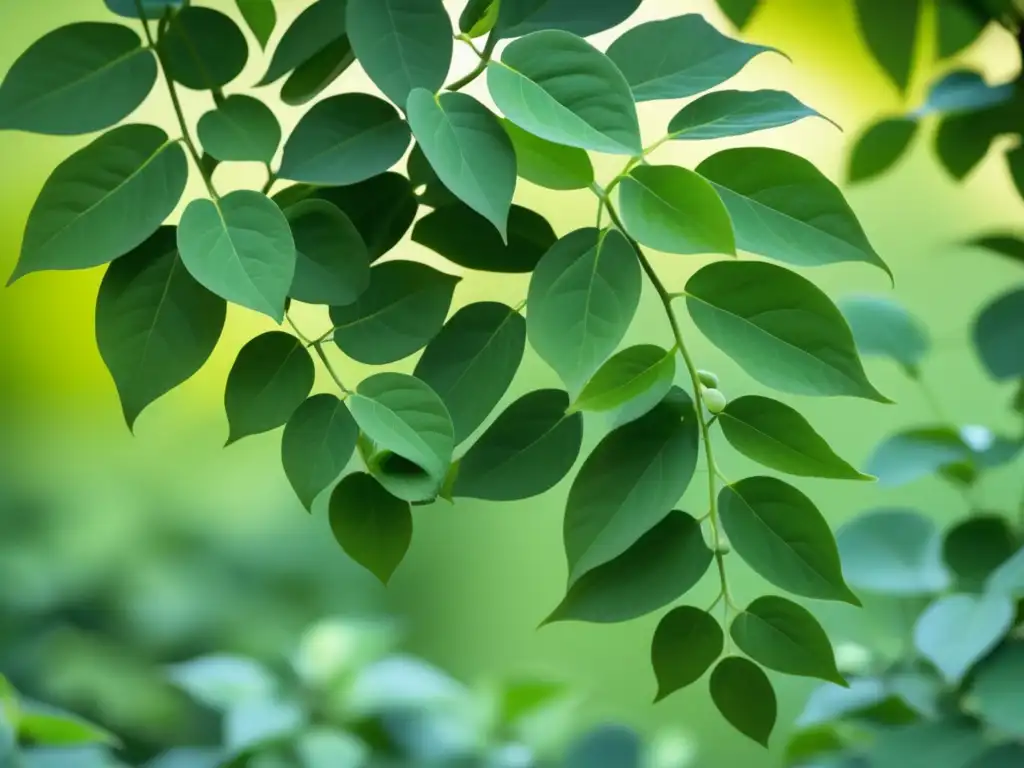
(559, 87)
(403, 308)
(582, 298)
(79, 78)
(313, 76)
(975, 548)
(686, 643)
(679, 57)
(998, 691)
(780, 534)
(629, 483)
(241, 248)
(725, 113)
(956, 631)
(739, 12)
(634, 372)
(958, 27)
(880, 147)
(203, 48)
(908, 456)
(674, 210)
(332, 265)
(343, 140)
(1004, 244)
(240, 129)
(472, 361)
(546, 164)
(581, 17)
(883, 327)
(152, 9)
(382, 208)
(528, 449)
(155, 325)
(743, 694)
(319, 439)
(777, 436)
(372, 526)
(478, 17)
(261, 18)
(401, 44)
(891, 33)
(663, 564)
(606, 746)
(964, 90)
(999, 335)
(104, 200)
(779, 327)
(316, 27)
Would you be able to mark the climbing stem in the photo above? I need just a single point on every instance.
(485, 59)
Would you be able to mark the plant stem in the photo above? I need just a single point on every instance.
(271, 178)
(485, 59)
(318, 346)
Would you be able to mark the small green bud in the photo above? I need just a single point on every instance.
(708, 379)
(723, 548)
(713, 399)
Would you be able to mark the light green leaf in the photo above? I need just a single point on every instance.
(942, 743)
(401, 44)
(782, 536)
(546, 164)
(998, 331)
(382, 209)
(672, 209)
(629, 483)
(959, 26)
(52, 727)
(880, 147)
(777, 436)
(372, 526)
(663, 565)
(559, 87)
(582, 298)
(528, 450)
(779, 327)
(472, 361)
(977, 547)
(322, 747)
(784, 636)
(104, 200)
(679, 57)
(319, 439)
(313, 76)
(686, 643)
(332, 265)
(79, 78)
(629, 374)
(1008, 578)
(261, 18)
(725, 113)
(223, 682)
(399, 313)
(271, 377)
(468, 150)
(784, 208)
(202, 48)
(344, 140)
(739, 12)
(881, 326)
(155, 325)
(316, 27)
(240, 129)
(891, 33)
(241, 248)
(908, 456)
(830, 702)
(743, 694)
(478, 17)
(956, 631)
(998, 691)
(581, 17)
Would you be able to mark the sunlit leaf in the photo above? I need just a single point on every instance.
(630, 374)
(547, 164)
(478, 17)
(221, 681)
(372, 526)
(724, 113)
(38, 724)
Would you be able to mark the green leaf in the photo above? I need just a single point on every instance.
(739, 12)
(468, 150)
(582, 298)
(48, 726)
(908, 456)
(674, 210)
(725, 113)
(559, 87)
(664, 564)
(1004, 244)
(320, 746)
(382, 208)
(271, 377)
(372, 526)
(894, 552)
(240, 129)
(959, 26)
(104, 200)
(528, 450)
(784, 208)
(779, 328)
(344, 140)
(891, 33)
(332, 265)
(883, 327)
(77, 79)
(784, 636)
(945, 743)
(830, 703)
(782, 536)
(478, 17)
(679, 57)
(152, 9)
(313, 76)
(241, 248)
(1008, 578)
(606, 746)
(401, 44)
(964, 90)
(581, 17)
(956, 631)
(630, 483)
(466, 238)
(399, 313)
(222, 682)
(998, 331)
(155, 325)
(202, 48)
(1007, 755)
(319, 439)
(261, 18)
(998, 691)
(977, 547)
(472, 361)
(428, 188)
(316, 27)
(777, 436)
(880, 147)
(547, 164)
(963, 140)
(628, 375)
(743, 694)
(686, 643)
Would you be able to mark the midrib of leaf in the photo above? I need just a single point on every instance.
(277, 371)
(779, 632)
(476, 358)
(775, 441)
(159, 307)
(635, 378)
(400, 51)
(386, 308)
(226, 232)
(697, 69)
(519, 451)
(449, 123)
(336, 146)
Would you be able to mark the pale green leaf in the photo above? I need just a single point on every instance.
(744, 696)
(944, 743)
(202, 48)
(478, 17)
(1008, 578)
(956, 631)
(686, 643)
(332, 264)
(725, 113)
(372, 526)
(547, 164)
(909, 456)
(319, 439)
(881, 326)
(240, 129)
(629, 374)
(221, 682)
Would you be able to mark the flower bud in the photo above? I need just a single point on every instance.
(713, 399)
(708, 379)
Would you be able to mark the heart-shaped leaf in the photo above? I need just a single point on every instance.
(743, 694)
(319, 439)
(240, 129)
(372, 526)
(686, 643)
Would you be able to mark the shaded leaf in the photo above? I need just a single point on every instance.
(958, 27)
(964, 90)
(634, 372)
(724, 113)
(382, 208)
(316, 27)
(261, 18)
(313, 76)
(880, 147)
(998, 333)
(908, 456)
(332, 265)
(975, 548)
(962, 140)
(891, 33)
(686, 643)
(240, 129)
(946, 743)
(372, 526)
(202, 48)
(1008, 755)
(956, 631)
(883, 327)
(745, 697)
(739, 12)
(547, 164)
(581, 17)
(427, 186)
(319, 439)
(152, 9)
(606, 746)
(998, 692)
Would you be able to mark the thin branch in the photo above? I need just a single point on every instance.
(485, 59)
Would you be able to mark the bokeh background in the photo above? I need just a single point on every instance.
(119, 553)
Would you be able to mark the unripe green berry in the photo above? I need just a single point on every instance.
(713, 399)
(708, 379)
(723, 548)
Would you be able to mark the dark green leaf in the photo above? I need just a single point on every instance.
(962, 140)
(1008, 755)
(739, 12)
(319, 439)
(735, 113)
(104, 200)
(241, 248)
(582, 298)
(372, 526)
(546, 164)
(478, 17)
(240, 129)
(634, 372)
(312, 76)
(959, 25)
(314, 29)
(1015, 162)
(51, 727)
(880, 147)
(998, 691)
(152, 9)
(777, 436)
(271, 377)
(891, 32)
(663, 565)
(956, 631)
(559, 87)
(679, 57)
(743, 694)
(203, 48)
(472, 362)
(382, 209)
(976, 547)
(332, 265)
(155, 325)
(782, 536)
(528, 449)
(938, 744)
(779, 327)
(77, 79)
(344, 140)
(261, 18)
(401, 44)
(403, 308)
(881, 326)
(581, 17)
(630, 483)
(908, 456)
(964, 90)
(606, 746)
(686, 643)
(433, 194)
(999, 335)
